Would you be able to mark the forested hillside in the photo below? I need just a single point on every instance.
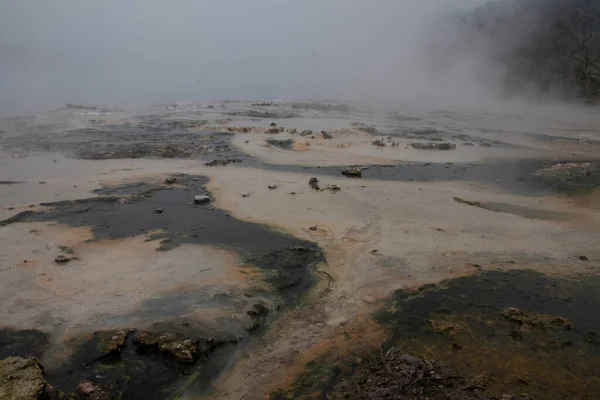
(551, 46)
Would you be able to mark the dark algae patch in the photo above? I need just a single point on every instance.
(517, 334)
(22, 343)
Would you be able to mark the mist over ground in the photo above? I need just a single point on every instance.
(143, 52)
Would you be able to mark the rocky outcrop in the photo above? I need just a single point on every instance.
(22, 379)
(172, 344)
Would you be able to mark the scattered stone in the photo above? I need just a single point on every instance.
(536, 320)
(62, 259)
(369, 299)
(181, 348)
(326, 135)
(306, 133)
(90, 390)
(374, 251)
(21, 379)
(333, 188)
(170, 180)
(353, 172)
(272, 187)
(313, 228)
(221, 162)
(245, 195)
(314, 183)
(583, 258)
(159, 210)
(202, 199)
(282, 144)
(273, 124)
(378, 143)
(433, 146)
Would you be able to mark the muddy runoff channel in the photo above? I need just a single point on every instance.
(177, 353)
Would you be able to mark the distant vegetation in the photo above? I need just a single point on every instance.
(552, 46)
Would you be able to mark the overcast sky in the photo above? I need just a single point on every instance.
(145, 51)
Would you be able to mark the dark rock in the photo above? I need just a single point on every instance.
(282, 144)
(159, 210)
(179, 347)
(433, 146)
(273, 124)
(333, 188)
(326, 135)
(62, 259)
(306, 133)
(258, 310)
(274, 130)
(202, 199)
(170, 180)
(110, 342)
(314, 183)
(378, 143)
(313, 228)
(583, 258)
(352, 172)
(272, 187)
(221, 162)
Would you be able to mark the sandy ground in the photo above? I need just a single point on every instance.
(378, 236)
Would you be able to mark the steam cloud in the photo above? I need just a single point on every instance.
(146, 51)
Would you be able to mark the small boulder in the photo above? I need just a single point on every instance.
(21, 379)
(273, 124)
(158, 210)
(272, 187)
(352, 172)
(326, 135)
(170, 180)
(202, 199)
(378, 143)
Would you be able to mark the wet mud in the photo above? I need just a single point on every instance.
(135, 370)
(517, 333)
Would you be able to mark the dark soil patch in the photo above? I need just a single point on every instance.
(495, 335)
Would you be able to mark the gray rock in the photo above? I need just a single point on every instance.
(202, 199)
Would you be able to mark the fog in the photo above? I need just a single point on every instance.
(115, 52)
